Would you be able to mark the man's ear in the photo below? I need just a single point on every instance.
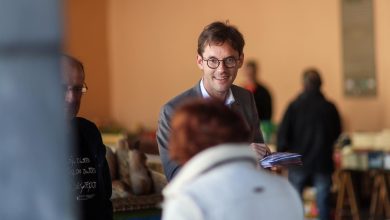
(240, 60)
(199, 61)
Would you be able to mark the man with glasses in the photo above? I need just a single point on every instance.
(88, 165)
(220, 55)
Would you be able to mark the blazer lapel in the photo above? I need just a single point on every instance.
(196, 90)
(236, 105)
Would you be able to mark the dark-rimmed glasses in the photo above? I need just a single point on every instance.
(213, 63)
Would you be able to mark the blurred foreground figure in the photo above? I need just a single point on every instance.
(219, 179)
(91, 176)
(310, 127)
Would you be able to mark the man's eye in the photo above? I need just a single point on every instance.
(230, 60)
(213, 60)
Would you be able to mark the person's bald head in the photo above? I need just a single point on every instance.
(73, 79)
(68, 62)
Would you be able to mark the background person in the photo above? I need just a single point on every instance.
(88, 165)
(310, 127)
(261, 94)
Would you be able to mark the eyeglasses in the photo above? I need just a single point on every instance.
(229, 62)
(76, 89)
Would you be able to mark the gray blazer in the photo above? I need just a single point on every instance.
(244, 104)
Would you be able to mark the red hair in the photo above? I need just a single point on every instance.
(202, 124)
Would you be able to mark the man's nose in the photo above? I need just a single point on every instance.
(221, 67)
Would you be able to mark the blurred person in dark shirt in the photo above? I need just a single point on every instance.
(261, 94)
(310, 127)
(88, 166)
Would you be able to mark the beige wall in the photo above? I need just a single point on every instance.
(85, 37)
(152, 51)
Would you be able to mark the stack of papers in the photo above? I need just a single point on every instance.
(281, 159)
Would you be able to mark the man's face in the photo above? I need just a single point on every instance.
(73, 80)
(218, 81)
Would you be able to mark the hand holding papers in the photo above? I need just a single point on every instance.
(261, 150)
(281, 159)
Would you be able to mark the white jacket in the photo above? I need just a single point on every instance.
(222, 182)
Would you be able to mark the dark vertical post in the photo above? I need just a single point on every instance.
(33, 149)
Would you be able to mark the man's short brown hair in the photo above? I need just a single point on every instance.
(201, 124)
(219, 33)
(312, 79)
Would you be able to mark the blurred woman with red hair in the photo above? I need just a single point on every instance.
(219, 178)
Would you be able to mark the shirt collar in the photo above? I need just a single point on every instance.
(228, 101)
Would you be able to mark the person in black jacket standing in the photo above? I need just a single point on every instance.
(261, 94)
(88, 165)
(310, 127)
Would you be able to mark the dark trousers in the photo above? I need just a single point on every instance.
(322, 183)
